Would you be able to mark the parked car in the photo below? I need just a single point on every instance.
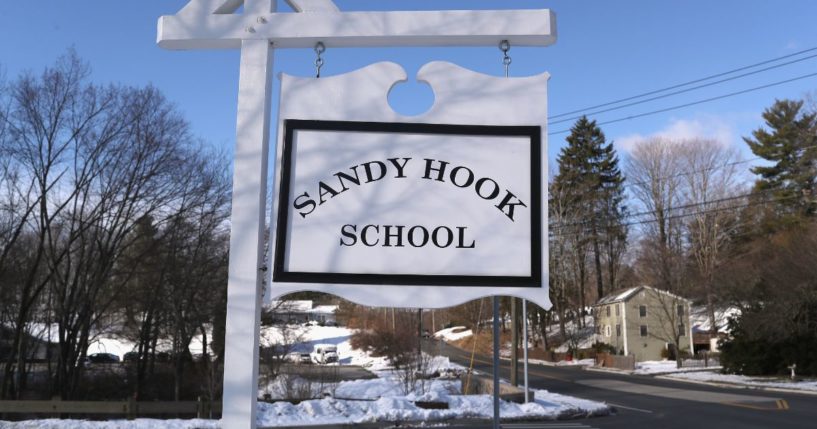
(83, 362)
(330, 323)
(299, 357)
(325, 353)
(103, 358)
(130, 357)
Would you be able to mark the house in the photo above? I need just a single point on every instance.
(300, 311)
(702, 326)
(40, 346)
(643, 322)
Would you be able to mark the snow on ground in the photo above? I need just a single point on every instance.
(580, 338)
(361, 401)
(665, 366)
(454, 333)
(699, 318)
(401, 408)
(109, 342)
(113, 424)
(573, 362)
(383, 399)
(773, 382)
(585, 340)
(306, 337)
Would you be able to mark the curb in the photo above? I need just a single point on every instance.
(739, 386)
(608, 370)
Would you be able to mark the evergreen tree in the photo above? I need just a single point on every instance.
(790, 145)
(589, 174)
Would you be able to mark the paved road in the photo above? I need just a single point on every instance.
(647, 402)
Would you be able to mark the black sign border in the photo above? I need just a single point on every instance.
(279, 275)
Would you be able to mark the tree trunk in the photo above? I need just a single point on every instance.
(582, 281)
(710, 308)
(597, 261)
(562, 328)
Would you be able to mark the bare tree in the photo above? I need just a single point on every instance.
(85, 163)
(712, 190)
(655, 172)
(50, 119)
(568, 255)
(672, 318)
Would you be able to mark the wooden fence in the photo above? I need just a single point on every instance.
(131, 409)
(615, 361)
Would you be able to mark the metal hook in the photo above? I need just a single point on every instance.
(319, 49)
(505, 46)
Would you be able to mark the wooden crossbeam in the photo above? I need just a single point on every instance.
(535, 27)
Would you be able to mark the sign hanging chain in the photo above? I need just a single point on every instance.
(319, 50)
(505, 46)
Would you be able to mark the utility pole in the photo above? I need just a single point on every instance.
(514, 342)
(419, 334)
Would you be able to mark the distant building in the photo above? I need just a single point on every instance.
(701, 327)
(38, 346)
(643, 321)
(301, 311)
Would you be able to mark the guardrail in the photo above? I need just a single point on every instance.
(131, 409)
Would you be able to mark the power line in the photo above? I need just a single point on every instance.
(683, 215)
(704, 170)
(628, 184)
(681, 207)
(683, 90)
(680, 85)
(706, 100)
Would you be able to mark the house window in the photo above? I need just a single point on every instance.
(618, 309)
(642, 311)
(608, 311)
(643, 330)
(681, 330)
(680, 310)
(618, 330)
(607, 330)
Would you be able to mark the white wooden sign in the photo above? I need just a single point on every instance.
(425, 211)
(255, 30)
(404, 203)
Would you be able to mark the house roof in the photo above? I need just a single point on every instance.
(619, 296)
(324, 309)
(292, 306)
(699, 318)
(625, 295)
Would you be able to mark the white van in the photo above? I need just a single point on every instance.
(325, 353)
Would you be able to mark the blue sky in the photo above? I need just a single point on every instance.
(606, 50)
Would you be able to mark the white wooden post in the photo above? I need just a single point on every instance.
(247, 229)
(247, 235)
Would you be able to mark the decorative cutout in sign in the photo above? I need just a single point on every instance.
(377, 208)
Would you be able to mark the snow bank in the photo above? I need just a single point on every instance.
(113, 424)
(362, 401)
(712, 376)
(665, 366)
(546, 405)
